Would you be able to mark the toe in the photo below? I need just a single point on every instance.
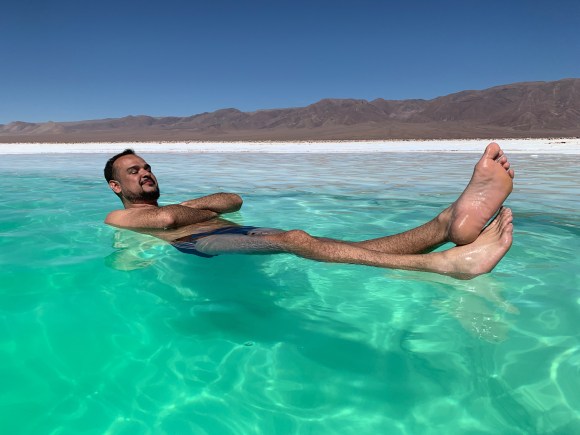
(492, 151)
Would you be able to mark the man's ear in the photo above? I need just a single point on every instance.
(115, 186)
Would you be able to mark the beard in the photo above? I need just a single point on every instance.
(136, 198)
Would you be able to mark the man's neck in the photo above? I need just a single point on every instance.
(148, 204)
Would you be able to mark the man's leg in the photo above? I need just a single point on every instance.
(462, 262)
(462, 223)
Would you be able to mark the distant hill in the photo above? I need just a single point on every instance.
(532, 109)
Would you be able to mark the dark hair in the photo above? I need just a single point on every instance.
(109, 173)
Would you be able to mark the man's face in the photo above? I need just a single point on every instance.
(134, 181)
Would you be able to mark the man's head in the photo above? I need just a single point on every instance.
(130, 177)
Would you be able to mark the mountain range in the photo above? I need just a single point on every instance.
(530, 109)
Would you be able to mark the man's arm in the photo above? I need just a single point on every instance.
(168, 216)
(218, 202)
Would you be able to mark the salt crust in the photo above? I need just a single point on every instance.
(512, 146)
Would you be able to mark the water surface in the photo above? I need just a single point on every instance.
(107, 331)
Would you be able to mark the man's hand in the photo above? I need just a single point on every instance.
(218, 202)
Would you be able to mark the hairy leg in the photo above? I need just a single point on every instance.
(462, 223)
(418, 240)
(462, 262)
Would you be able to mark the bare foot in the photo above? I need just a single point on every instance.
(490, 185)
(481, 256)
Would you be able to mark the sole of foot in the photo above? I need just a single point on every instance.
(490, 184)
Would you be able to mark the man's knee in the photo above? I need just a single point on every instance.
(297, 237)
(294, 241)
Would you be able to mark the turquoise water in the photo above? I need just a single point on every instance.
(105, 331)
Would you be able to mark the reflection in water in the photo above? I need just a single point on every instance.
(133, 251)
(477, 304)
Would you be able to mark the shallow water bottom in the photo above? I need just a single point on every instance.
(106, 331)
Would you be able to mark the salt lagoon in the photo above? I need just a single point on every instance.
(108, 331)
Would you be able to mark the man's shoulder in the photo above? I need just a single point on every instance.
(115, 216)
(124, 216)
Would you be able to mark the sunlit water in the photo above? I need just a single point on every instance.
(112, 332)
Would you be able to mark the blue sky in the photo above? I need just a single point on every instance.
(72, 60)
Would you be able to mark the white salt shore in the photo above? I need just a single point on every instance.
(527, 146)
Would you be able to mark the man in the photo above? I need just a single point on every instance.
(195, 226)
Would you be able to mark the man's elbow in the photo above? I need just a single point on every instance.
(230, 202)
(166, 219)
(237, 201)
